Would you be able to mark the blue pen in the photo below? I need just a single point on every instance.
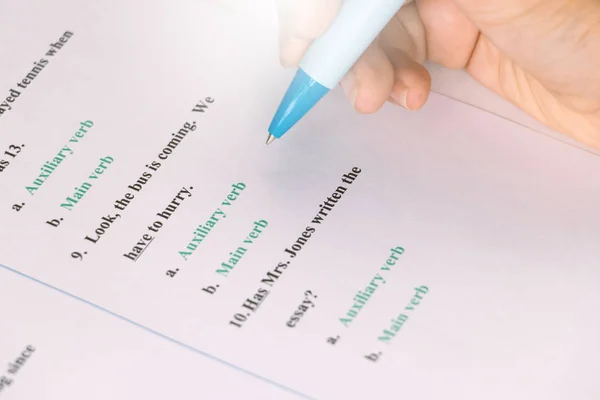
(330, 57)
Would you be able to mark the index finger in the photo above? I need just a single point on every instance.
(300, 22)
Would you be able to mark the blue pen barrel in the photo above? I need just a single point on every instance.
(331, 56)
(357, 25)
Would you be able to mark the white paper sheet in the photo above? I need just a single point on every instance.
(460, 262)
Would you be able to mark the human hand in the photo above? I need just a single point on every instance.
(542, 55)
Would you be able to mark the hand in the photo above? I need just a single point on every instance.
(542, 55)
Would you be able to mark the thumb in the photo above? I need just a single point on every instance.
(300, 22)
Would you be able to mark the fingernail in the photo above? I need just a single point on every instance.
(416, 98)
(350, 87)
(401, 98)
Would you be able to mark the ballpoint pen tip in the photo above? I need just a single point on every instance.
(271, 139)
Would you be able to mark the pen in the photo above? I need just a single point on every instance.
(330, 57)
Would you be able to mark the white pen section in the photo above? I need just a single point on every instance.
(357, 25)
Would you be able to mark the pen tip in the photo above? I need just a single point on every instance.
(271, 139)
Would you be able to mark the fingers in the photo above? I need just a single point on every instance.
(369, 83)
(302, 21)
(450, 35)
(386, 75)
(412, 83)
(405, 41)
(388, 70)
